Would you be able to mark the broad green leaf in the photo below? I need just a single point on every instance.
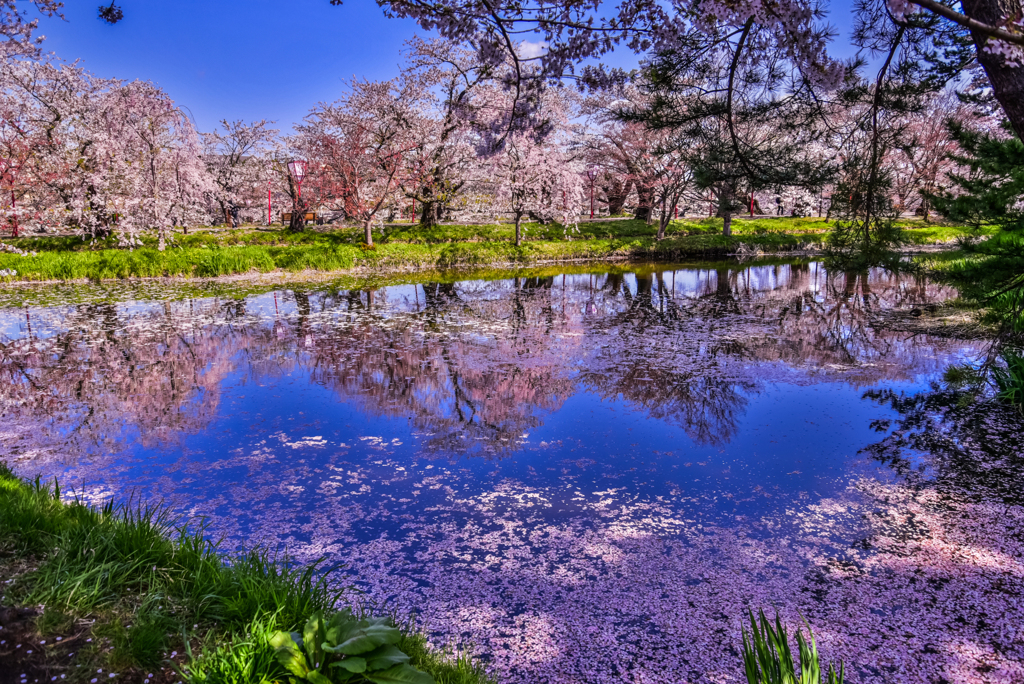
(288, 654)
(341, 628)
(383, 634)
(317, 678)
(340, 620)
(355, 665)
(399, 674)
(366, 639)
(280, 639)
(358, 643)
(314, 634)
(384, 657)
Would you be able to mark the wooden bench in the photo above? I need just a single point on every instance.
(286, 217)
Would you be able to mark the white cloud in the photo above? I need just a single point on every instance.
(529, 49)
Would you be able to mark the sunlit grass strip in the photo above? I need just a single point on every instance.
(151, 584)
(208, 253)
(113, 264)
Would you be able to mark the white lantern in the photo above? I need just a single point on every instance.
(298, 169)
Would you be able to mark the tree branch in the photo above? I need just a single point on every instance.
(967, 22)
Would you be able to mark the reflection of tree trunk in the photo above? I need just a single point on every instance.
(234, 309)
(723, 288)
(355, 299)
(302, 304)
(438, 296)
(613, 283)
(644, 285)
(536, 283)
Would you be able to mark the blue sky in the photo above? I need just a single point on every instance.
(252, 59)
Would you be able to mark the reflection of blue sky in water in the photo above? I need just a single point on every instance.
(587, 481)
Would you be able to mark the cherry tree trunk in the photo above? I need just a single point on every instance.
(617, 193)
(664, 218)
(519, 229)
(298, 220)
(645, 203)
(429, 213)
(368, 232)
(1007, 82)
(725, 208)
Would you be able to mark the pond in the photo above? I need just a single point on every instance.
(583, 476)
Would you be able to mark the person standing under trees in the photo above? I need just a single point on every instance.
(778, 205)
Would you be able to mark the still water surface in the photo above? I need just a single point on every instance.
(585, 476)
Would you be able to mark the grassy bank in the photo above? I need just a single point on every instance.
(130, 595)
(990, 276)
(211, 253)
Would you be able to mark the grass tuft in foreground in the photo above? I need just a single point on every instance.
(768, 659)
(129, 591)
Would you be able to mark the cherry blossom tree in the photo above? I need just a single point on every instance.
(533, 170)
(445, 160)
(362, 144)
(923, 163)
(100, 155)
(16, 28)
(636, 155)
(151, 164)
(237, 158)
(794, 28)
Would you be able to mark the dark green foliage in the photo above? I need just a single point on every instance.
(990, 190)
(1010, 379)
(767, 657)
(344, 648)
(990, 193)
(716, 111)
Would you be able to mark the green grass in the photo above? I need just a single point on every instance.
(147, 585)
(768, 657)
(919, 233)
(211, 253)
(990, 276)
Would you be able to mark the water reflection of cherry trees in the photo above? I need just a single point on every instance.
(579, 562)
(473, 365)
(157, 373)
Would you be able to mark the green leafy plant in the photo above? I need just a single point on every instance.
(349, 649)
(1010, 380)
(768, 659)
